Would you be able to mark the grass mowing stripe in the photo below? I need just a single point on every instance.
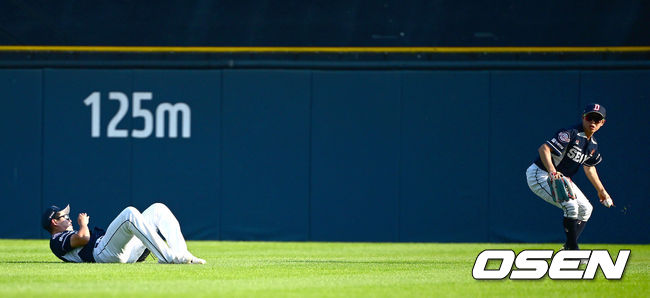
(299, 269)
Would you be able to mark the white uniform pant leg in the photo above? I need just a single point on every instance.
(584, 206)
(136, 247)
(580, 208)
(159, 216)
(536, 179)
(116, 246)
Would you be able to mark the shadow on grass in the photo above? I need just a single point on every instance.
(31, 262)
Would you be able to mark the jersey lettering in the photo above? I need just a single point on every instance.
(577, 156)
(556, 143)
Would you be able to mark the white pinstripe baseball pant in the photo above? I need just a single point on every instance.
(580, 208)
(131, 232)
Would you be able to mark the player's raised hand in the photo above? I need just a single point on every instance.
(83, 219)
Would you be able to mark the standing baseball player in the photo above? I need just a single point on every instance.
(128, 239)
(560, 157)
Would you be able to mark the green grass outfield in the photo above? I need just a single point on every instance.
(298, 269)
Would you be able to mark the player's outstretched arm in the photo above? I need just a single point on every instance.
(592, 175)
(83, 235)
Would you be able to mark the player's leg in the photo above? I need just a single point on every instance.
(129, 223)
(570, 222)
(584, 208)
(137, 249)
(536, 179)
(537, 182)
(571, 232)
(159, 216)
(110, 248)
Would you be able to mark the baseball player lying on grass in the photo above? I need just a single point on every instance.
(129, 238)
(559, 158)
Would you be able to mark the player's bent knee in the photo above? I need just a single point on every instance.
(131, 210)
(130, 213)
(570, 210)
(159, 206)
(586, 212)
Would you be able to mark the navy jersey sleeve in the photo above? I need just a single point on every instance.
(560, 141)
(60, 243)
(595, 159)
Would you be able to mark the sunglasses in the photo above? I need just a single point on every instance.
(64, 216)
(594, 117)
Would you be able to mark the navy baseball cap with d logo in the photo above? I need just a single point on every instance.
(53, 212)
(594, 108)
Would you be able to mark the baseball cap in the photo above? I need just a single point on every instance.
(53, 212)
(594, 108)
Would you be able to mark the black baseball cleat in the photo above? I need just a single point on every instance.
(144, 255)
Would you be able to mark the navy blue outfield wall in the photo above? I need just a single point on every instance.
(318, 155)
(404, 23)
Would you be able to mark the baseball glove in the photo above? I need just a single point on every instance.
(561, 189)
